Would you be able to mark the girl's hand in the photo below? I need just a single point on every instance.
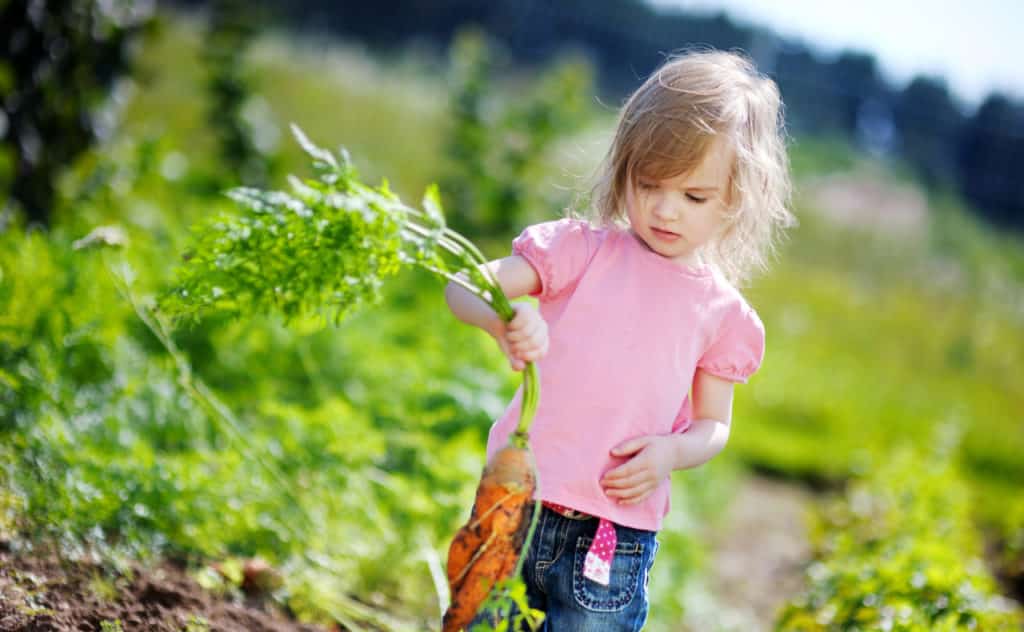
(525, 338)
(634, 480)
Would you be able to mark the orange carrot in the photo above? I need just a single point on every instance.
(486, 549)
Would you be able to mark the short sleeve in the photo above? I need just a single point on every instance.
(559, 251)
(738, 349)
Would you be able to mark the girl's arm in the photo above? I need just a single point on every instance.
(653, 457)
(709, 432)
(525, 338)
(516, 278)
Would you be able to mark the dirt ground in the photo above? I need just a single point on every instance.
(760, 555)
(42, 593)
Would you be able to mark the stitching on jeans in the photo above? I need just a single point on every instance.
(641, 617)
(635, 550)
(541, 565)
(561, 526)
(560, 536)
(538, 575)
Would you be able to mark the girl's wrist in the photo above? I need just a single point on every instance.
(494, 326)
(702, 440)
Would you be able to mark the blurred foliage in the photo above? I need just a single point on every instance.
(879, 337)
(494, 145)
(58, 66)
(991, 157)
(975, 150)
(898, 551)
(232, 26)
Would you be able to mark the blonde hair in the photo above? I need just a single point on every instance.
(665, 129)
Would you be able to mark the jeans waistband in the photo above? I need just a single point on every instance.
(566, 512)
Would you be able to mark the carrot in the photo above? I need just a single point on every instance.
(486, 549)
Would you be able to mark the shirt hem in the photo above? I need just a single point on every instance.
(588, 506)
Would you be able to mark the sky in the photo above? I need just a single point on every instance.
(976, 45)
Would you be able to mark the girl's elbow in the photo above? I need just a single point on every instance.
(455, 296)
(449, 294)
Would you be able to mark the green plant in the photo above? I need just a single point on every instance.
(232, 27)
(59, 64)
(494, 146)
(898, 551)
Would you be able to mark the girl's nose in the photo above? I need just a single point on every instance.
(664, 210)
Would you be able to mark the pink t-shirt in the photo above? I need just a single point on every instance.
(627, 329)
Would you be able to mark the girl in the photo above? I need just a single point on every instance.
(636, 307)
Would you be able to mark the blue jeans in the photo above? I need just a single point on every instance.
(553, 573)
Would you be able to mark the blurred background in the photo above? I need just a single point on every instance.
(873, 477)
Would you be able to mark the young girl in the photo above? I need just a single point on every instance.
(636, 307)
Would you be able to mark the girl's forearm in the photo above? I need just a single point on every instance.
(471, 309)
(702, 440)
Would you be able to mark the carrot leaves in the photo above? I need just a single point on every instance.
(325, 247)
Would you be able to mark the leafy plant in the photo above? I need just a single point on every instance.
(232, 27)
(493, 147)
(58, 65)
(898, 551)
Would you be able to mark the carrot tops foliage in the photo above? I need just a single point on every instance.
(324, 247)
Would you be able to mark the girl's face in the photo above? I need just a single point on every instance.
(678, 216)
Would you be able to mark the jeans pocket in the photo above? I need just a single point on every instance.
(627, 568)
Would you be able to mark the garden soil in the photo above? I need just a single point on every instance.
(40, 592)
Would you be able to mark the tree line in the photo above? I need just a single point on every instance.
(59, 57)
(979, 153)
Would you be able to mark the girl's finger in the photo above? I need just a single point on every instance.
(629, 492)
(524, 346)
(636, 499)
(634, 495)
(525, 330)
(533, 355)
(625, 482)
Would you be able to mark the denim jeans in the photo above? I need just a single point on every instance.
(553, 573)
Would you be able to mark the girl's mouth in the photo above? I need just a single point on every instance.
(664, 234)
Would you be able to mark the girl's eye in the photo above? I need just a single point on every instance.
(696, 199)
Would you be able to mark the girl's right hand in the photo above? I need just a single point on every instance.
(524, 338)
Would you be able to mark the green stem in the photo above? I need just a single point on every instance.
(528, 408)
(466, 251)
(534, 519)
(499, 301)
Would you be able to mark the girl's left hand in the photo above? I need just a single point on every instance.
(637, 478)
